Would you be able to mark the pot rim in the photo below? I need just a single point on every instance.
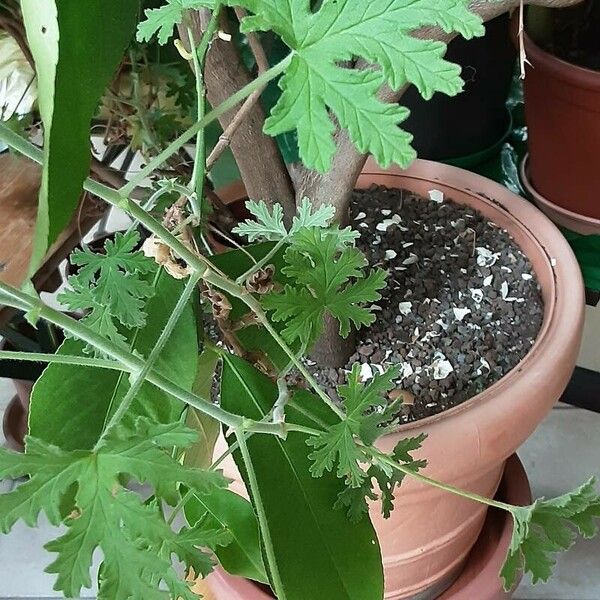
(557, 67)
(562, 216)
(561, 310)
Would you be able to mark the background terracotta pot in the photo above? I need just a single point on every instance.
(430, 533)
(562, 109)
(478, 580)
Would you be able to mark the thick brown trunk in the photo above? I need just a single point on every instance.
(331, 350)
(258, 158)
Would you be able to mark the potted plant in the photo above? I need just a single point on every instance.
(321, 449)
(562, 87)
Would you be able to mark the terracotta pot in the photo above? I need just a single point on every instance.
(562, 109)
(234, 197)
(14, 421)
(559, 215)
(478, 580)
(429, 535)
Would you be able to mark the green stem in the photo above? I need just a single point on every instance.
(261, 515)
(443, 486)
(214, 114)
(182, 502)
(262, 262)
(140, 377)
(205, 270)
(199, 59)
(197, 180)
(63, 359)
(15, 298)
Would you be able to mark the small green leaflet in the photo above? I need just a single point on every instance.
(268, 225)
(136, 542)
(163, 20)
(547, 527)
(345, 444)
(329, 278)
(317, 84)
(110, 286)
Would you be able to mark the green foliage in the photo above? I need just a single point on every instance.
(200, 454)
(161, 21)
(70, 405)
(346, 445)
(75, 60)
(329, 278)
(547, 527)
(316, 82)
(105, 515)
(268, 223)
(222, 509)
(109, 286)
(319, 553)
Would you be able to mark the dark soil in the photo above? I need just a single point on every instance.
(574, 34)
(462, 306)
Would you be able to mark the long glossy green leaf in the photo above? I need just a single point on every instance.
(224, 509)
(77, 46)
(200, 453)
(70, 404)
(320, 554)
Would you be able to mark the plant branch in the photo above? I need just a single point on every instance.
(141, 376)
(63, 359)
(11, 296)
(264, 172)
(211, 116)
(198, 262)
(261, 515)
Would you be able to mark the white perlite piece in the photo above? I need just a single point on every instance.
(411, 260)
(477, 295)
(441, 366)
(488, 280)
(386, 212)
(461, 313)
(553, 261)
(407, 370)
(390, 254)
(485, 257)
(405, 308)
(366, 372)
(526, 276)
(504, 290)
(484, 364)
(359, 216)
(436, 196)
(385, 225)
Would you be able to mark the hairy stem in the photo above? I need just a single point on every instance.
(197, 179)
(261, 515)
(11, 296)
(211, 116)
(141, 376)
(63, 359)
(442, 486)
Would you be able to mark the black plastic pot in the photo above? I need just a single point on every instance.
(447, 128)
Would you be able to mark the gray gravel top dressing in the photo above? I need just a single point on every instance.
(462, 306)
